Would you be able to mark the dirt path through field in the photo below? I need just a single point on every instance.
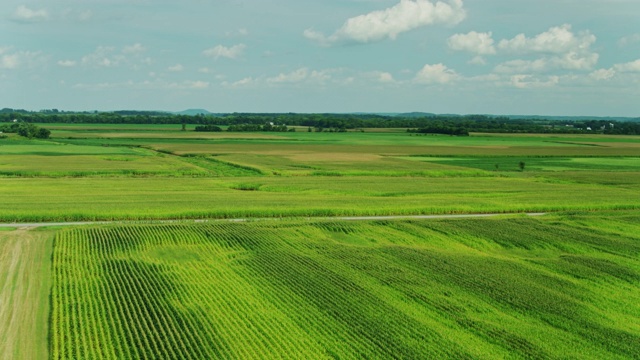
(25, 262)
(347, 218)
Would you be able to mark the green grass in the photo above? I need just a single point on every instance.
(499, 288)
(562, 286)
(48, 148)
(37, 199)
(25, 281)
(555, 163)
(95, 165)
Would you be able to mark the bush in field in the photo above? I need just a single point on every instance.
(27, 130)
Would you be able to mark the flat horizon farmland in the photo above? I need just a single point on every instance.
(80, 177)
(562, 285)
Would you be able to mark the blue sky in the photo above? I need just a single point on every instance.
(560, 57)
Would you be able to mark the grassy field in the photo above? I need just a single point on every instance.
(561, 286)
(151, 172)
(74, 199)
(25, 280)
(516, 287)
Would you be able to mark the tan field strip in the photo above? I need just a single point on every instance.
(25, 266)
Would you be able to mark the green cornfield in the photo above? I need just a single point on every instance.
(514, 287)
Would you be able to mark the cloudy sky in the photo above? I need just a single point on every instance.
(548, 57)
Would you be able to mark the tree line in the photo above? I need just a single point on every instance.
(445, 124)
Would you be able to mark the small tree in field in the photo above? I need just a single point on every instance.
(521, 165)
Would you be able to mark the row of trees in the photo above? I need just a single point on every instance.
(338, 122)
(245, 128)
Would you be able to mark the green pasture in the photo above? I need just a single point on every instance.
(166, 153)
(397, 148)
(514, 287)
(104, 198)
(555, 163)
(311, 174)
(92, 165)
(57, 160)
(51, 148)
(368, 137)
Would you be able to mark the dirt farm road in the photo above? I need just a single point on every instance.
(345, 218)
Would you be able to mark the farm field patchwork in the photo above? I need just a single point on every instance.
(553, 287)
(564, 285)
(309, 174)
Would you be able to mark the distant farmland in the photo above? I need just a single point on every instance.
(293, 282)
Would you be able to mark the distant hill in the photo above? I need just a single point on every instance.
(193, 112)
(415, 114)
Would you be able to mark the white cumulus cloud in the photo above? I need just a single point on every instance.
(558, 48)
(67, 63)
(136, 48)
(292, 77)
(248, 81)
(25, 14)
(9, 61)
(109, 57)
(633, 66)
(556, 40)
(21, 59)
(103, 56)
(219, 51)
(629, 40)
(384, 77)
(576, 61)
(301, 75)
(603, 74)
(389, 23)
(520, 66)
(473, 42)
(478, 60)
(436, 74)
(529, 81)
(196, 85)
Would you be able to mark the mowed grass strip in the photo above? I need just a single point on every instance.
(25, 280)
(471, 288)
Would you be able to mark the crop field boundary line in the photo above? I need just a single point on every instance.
(343, 218)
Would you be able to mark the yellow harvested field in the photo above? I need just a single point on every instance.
(25, 267)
